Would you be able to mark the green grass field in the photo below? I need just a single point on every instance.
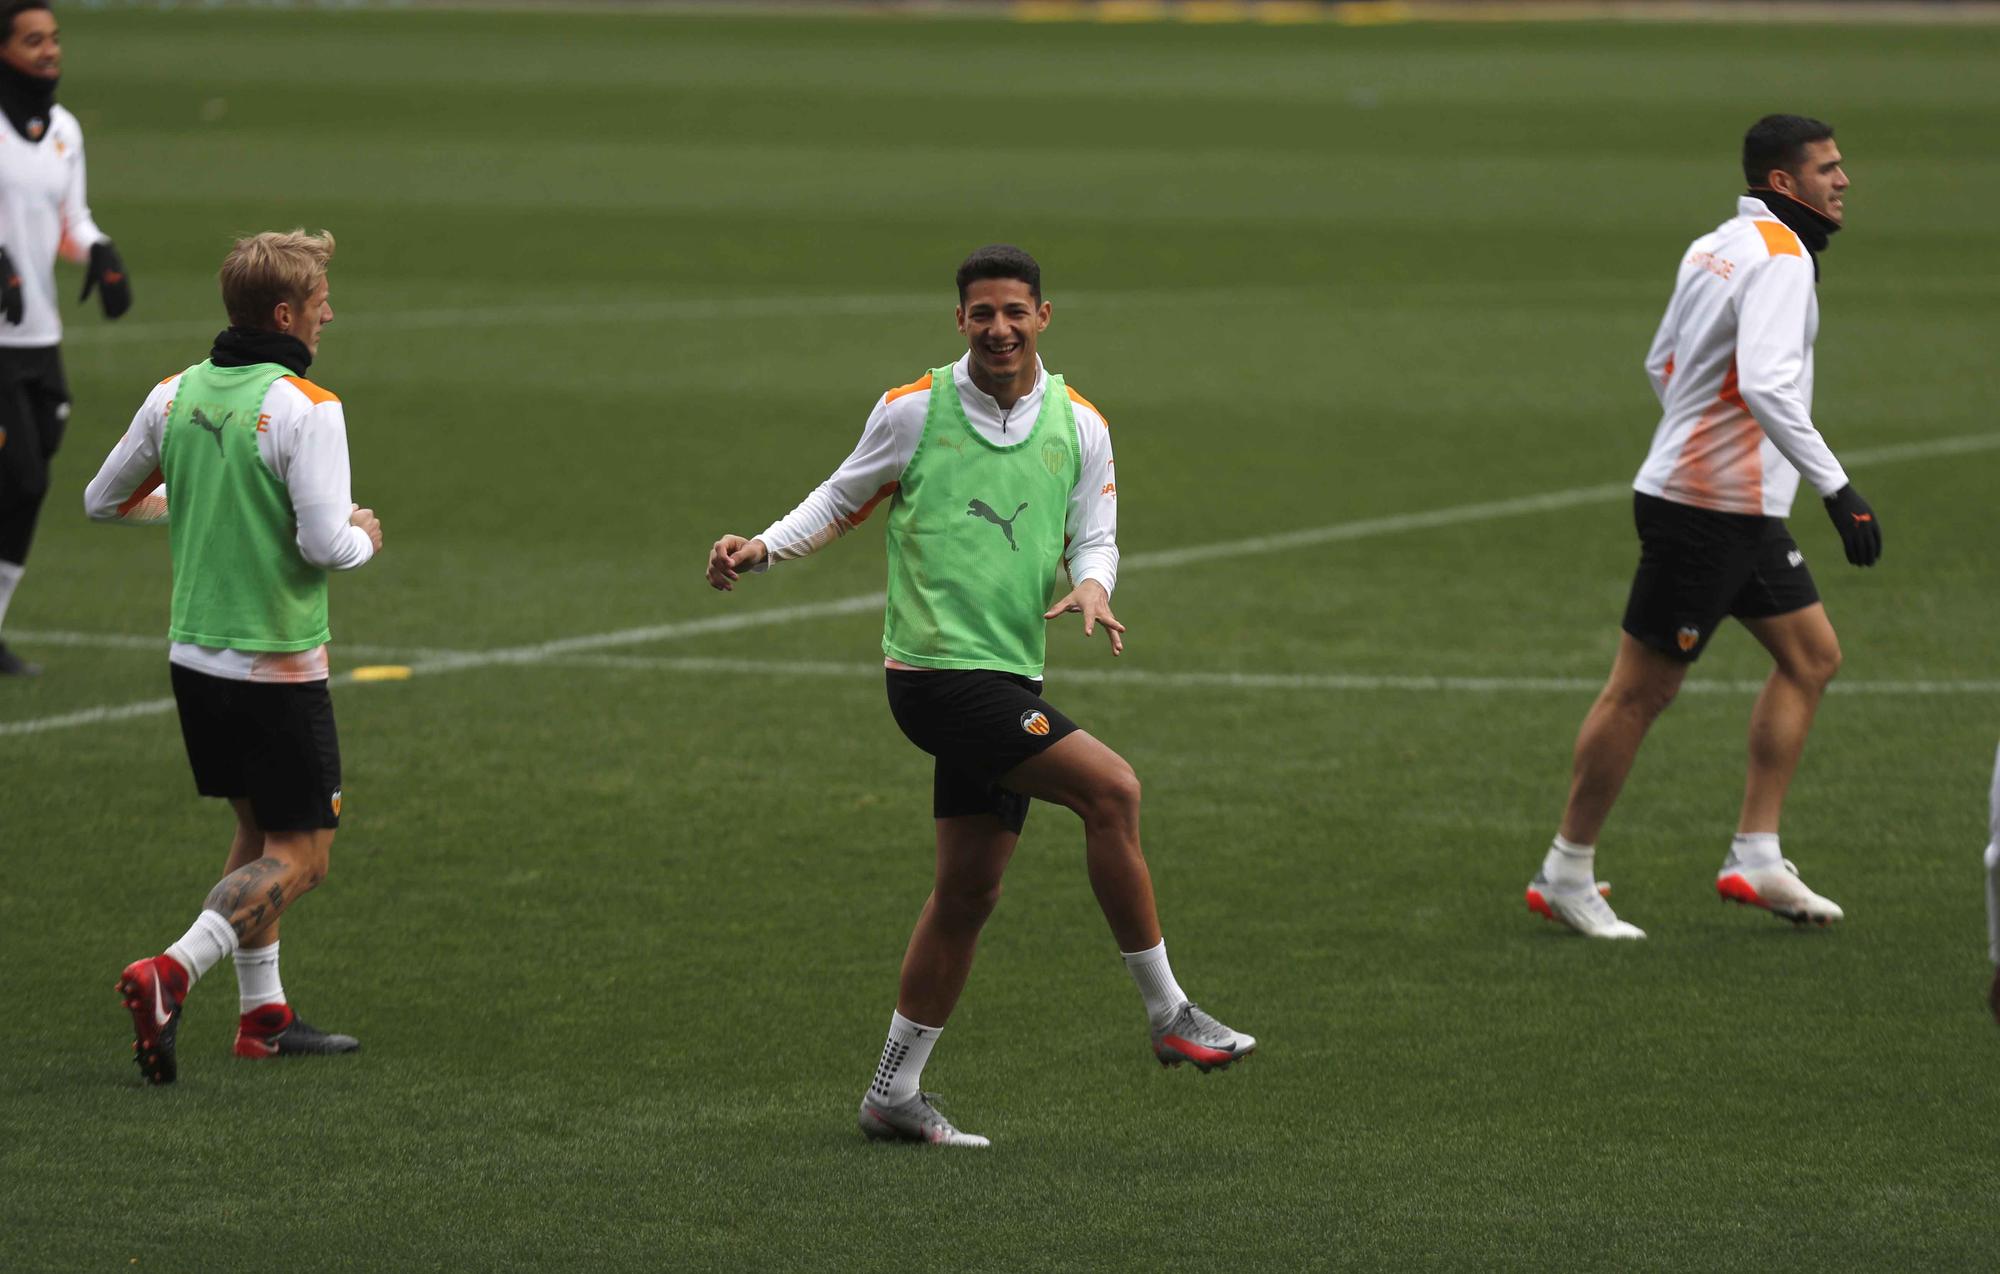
(619, 921)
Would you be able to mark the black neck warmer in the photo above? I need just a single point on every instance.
(26, 100)
(1812, 226)
(242, 346)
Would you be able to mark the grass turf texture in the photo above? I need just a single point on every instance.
(621, 942)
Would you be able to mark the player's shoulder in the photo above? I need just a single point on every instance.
(64, 125)
(921, 385)
(1777, 239)
(907, 404)
(300, 392)
(1085, 411)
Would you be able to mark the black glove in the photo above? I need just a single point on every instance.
(107, 274)
(10, 288)
(1860, 533)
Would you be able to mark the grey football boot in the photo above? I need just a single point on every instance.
(1194, 1036)
(914, 1120)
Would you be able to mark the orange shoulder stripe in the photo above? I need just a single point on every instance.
(168, 380)
(1079, 398)
(914, 387)
(1779, 240)
(312, 391)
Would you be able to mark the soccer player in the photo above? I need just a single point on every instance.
(1993, 892)
(996, 474)
(1732, 365)
(42, 214)
(246, 460)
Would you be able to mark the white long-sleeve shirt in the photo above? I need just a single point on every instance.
(302, 439)
(1732, 364)
(43, 214)
(874, 468)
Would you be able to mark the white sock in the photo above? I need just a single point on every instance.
(257, 978)
(1756, 849)
(1155, 977)
(202, 947)
(903, 1059)
(10, 575)
(1569, 866)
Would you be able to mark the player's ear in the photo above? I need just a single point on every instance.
(1042, 319)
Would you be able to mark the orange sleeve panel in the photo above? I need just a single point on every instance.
(1079, 398)
(888, 489)
(1779, 240)
(312, 391)
(914, 387)
(144, 489)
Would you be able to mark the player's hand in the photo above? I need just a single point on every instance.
(367, 521)
(106, 273)
(1860, 533)
(1089, 600)
(10, 289)
(730, 556)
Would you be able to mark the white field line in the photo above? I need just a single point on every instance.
(543, 652)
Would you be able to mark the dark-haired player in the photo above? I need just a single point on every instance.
(43, 214)
(1732, 365)
(997, 475)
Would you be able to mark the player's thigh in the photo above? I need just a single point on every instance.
(45, 396)
(213, 732)
(973, 851)
(1080, 772)
(1802, 642)
(1642, 674)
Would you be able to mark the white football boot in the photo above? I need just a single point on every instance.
(1583, 910)
(917, 1119)
(1776, 888)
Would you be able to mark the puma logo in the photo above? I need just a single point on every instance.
(980, 509)
(956, 444)
(214, 427)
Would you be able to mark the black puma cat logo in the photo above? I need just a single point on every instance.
(980, 509)
(214, 427)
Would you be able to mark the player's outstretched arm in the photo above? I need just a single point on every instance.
(729, 557)
(1089, 600)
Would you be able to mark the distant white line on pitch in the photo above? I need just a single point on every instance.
(541, 652)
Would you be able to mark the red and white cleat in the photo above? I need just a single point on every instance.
(1195, 1037)
(1583, 910)
(153, 989)
(1777, 889)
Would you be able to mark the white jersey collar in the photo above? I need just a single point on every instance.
(971, 395)
(1751, 206)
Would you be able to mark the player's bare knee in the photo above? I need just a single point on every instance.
(969, 907)
(1114, 800)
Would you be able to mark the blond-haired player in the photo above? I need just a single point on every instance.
(246, 461)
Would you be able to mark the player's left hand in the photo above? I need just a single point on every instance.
(729, 557)
(106, 273)
(1089, 600)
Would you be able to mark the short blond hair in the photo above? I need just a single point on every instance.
(264, 269)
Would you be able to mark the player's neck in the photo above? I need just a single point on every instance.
(1008, 391)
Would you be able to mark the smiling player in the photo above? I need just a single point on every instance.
(997, 475)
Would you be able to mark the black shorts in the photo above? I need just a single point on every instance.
(272, 743)
(34, 410)
(978, 725)
(1698, 566)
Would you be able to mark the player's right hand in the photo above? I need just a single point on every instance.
(1860, 533)
(10, 289)
(367, 521)
(730, 556)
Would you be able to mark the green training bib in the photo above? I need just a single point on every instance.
(975, 536)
